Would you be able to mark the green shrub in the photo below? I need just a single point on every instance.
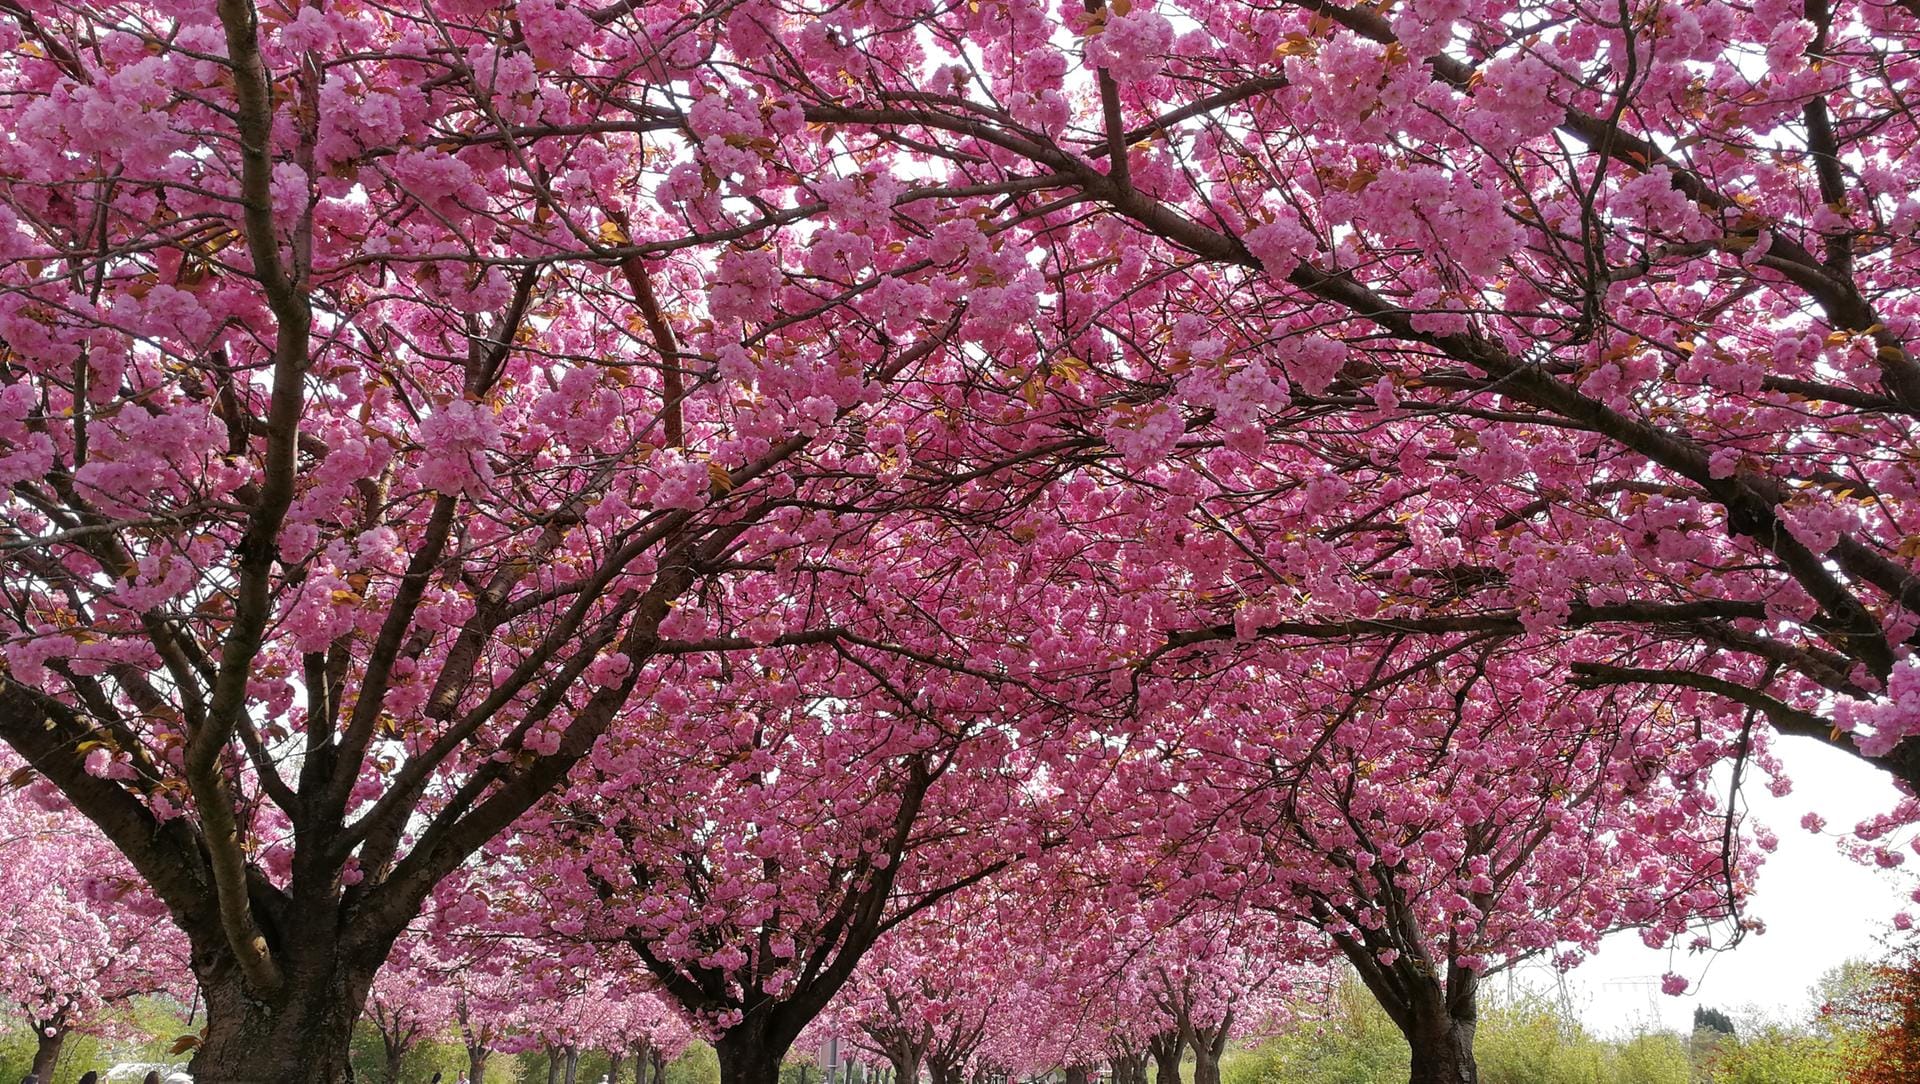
(1776, 1056)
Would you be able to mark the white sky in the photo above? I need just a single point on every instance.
(1820, 906)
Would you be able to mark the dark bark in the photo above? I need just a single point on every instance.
(573, 1064)
(1165, 1049)
(1443, 1052)
(1437, 1016)
(1208, 1045)
(476, 1062)
(553, 1065)
(616, 1061)
(1439, 1021)
(47, 1054)
(943, 1071)
(750, 1053)
(659, 1059)
(395, 1048)
(299, 1037)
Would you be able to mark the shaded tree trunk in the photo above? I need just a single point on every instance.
(906, 1066)
(46, 1055)
(1165, 1049)
(1437, 1016)
(616, 1061)
(659, 1060)
(476, 1062)
(301, 1036)
(553, 1065)
(1441, 1040)
(750, 1053)
(573, 1063)
(1208, 1045)
(942, 1071)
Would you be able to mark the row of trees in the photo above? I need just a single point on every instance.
(730, 484)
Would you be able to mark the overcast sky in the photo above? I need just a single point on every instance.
(1820, 908)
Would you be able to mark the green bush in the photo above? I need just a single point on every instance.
(1776, 1056)
(1354, 1044)
(1657, 1057)
(1527, 1042)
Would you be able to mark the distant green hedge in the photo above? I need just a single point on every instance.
(1531, 1041)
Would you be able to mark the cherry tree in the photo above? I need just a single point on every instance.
(378, 383)
(1144, 980)
(803, 830)
(481, 977)
(1454, 824)
(409, 1003)
(82, 935)
(644, 1027)
(932, 993)
(1220, 976)
(562, 1013)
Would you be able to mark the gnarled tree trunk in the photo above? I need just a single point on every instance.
(1441, 1038)
(750, 1053)
(301, 1036)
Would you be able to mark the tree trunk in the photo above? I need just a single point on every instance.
(1077, 1074)
(616, 1061)
(659, 1068)
(573, 1063)
(1208, 1046)
(47, 1054)
(749, 1056)
(476, 1063)
(1165, 1048)
(301, 1036)
(1442, 1045)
